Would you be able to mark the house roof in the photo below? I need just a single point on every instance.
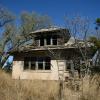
(46, 30)
(69, 45)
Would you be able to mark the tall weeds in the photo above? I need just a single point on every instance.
(47, 90)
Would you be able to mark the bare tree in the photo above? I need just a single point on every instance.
(33, 21)
(5, 16)
(79, 29)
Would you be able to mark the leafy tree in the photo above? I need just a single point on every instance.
(96, 42)
(96, 47)
(98, 21)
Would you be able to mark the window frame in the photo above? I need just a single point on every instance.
(68, 64)
(37, 62)
(47, 41)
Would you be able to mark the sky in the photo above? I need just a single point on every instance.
(56, 9)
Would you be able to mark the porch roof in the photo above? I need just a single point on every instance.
(30, 48)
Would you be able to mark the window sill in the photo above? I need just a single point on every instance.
(48, 46)
(38, 71)
(66, 71)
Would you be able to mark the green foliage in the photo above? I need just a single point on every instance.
(95, 41)
(98, 21)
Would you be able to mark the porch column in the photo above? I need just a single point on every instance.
(36, 65)
(51, 41)
(45, 42)
(39, 42)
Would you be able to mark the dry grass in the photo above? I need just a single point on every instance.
(26, 89)
(46, 90)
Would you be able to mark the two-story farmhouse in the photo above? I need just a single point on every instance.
(49, 57)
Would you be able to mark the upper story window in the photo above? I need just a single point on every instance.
(50, 40)
(54, 40)
(41, 41)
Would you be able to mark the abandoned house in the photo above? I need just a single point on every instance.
(50, 56)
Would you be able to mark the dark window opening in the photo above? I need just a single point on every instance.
(47, 59)
(54, 40)
(39, 63)
(33, 65)
(26, 63)
(42, 42)
(47, 63)
(68, 65)
(48, 40)
(47, 66)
